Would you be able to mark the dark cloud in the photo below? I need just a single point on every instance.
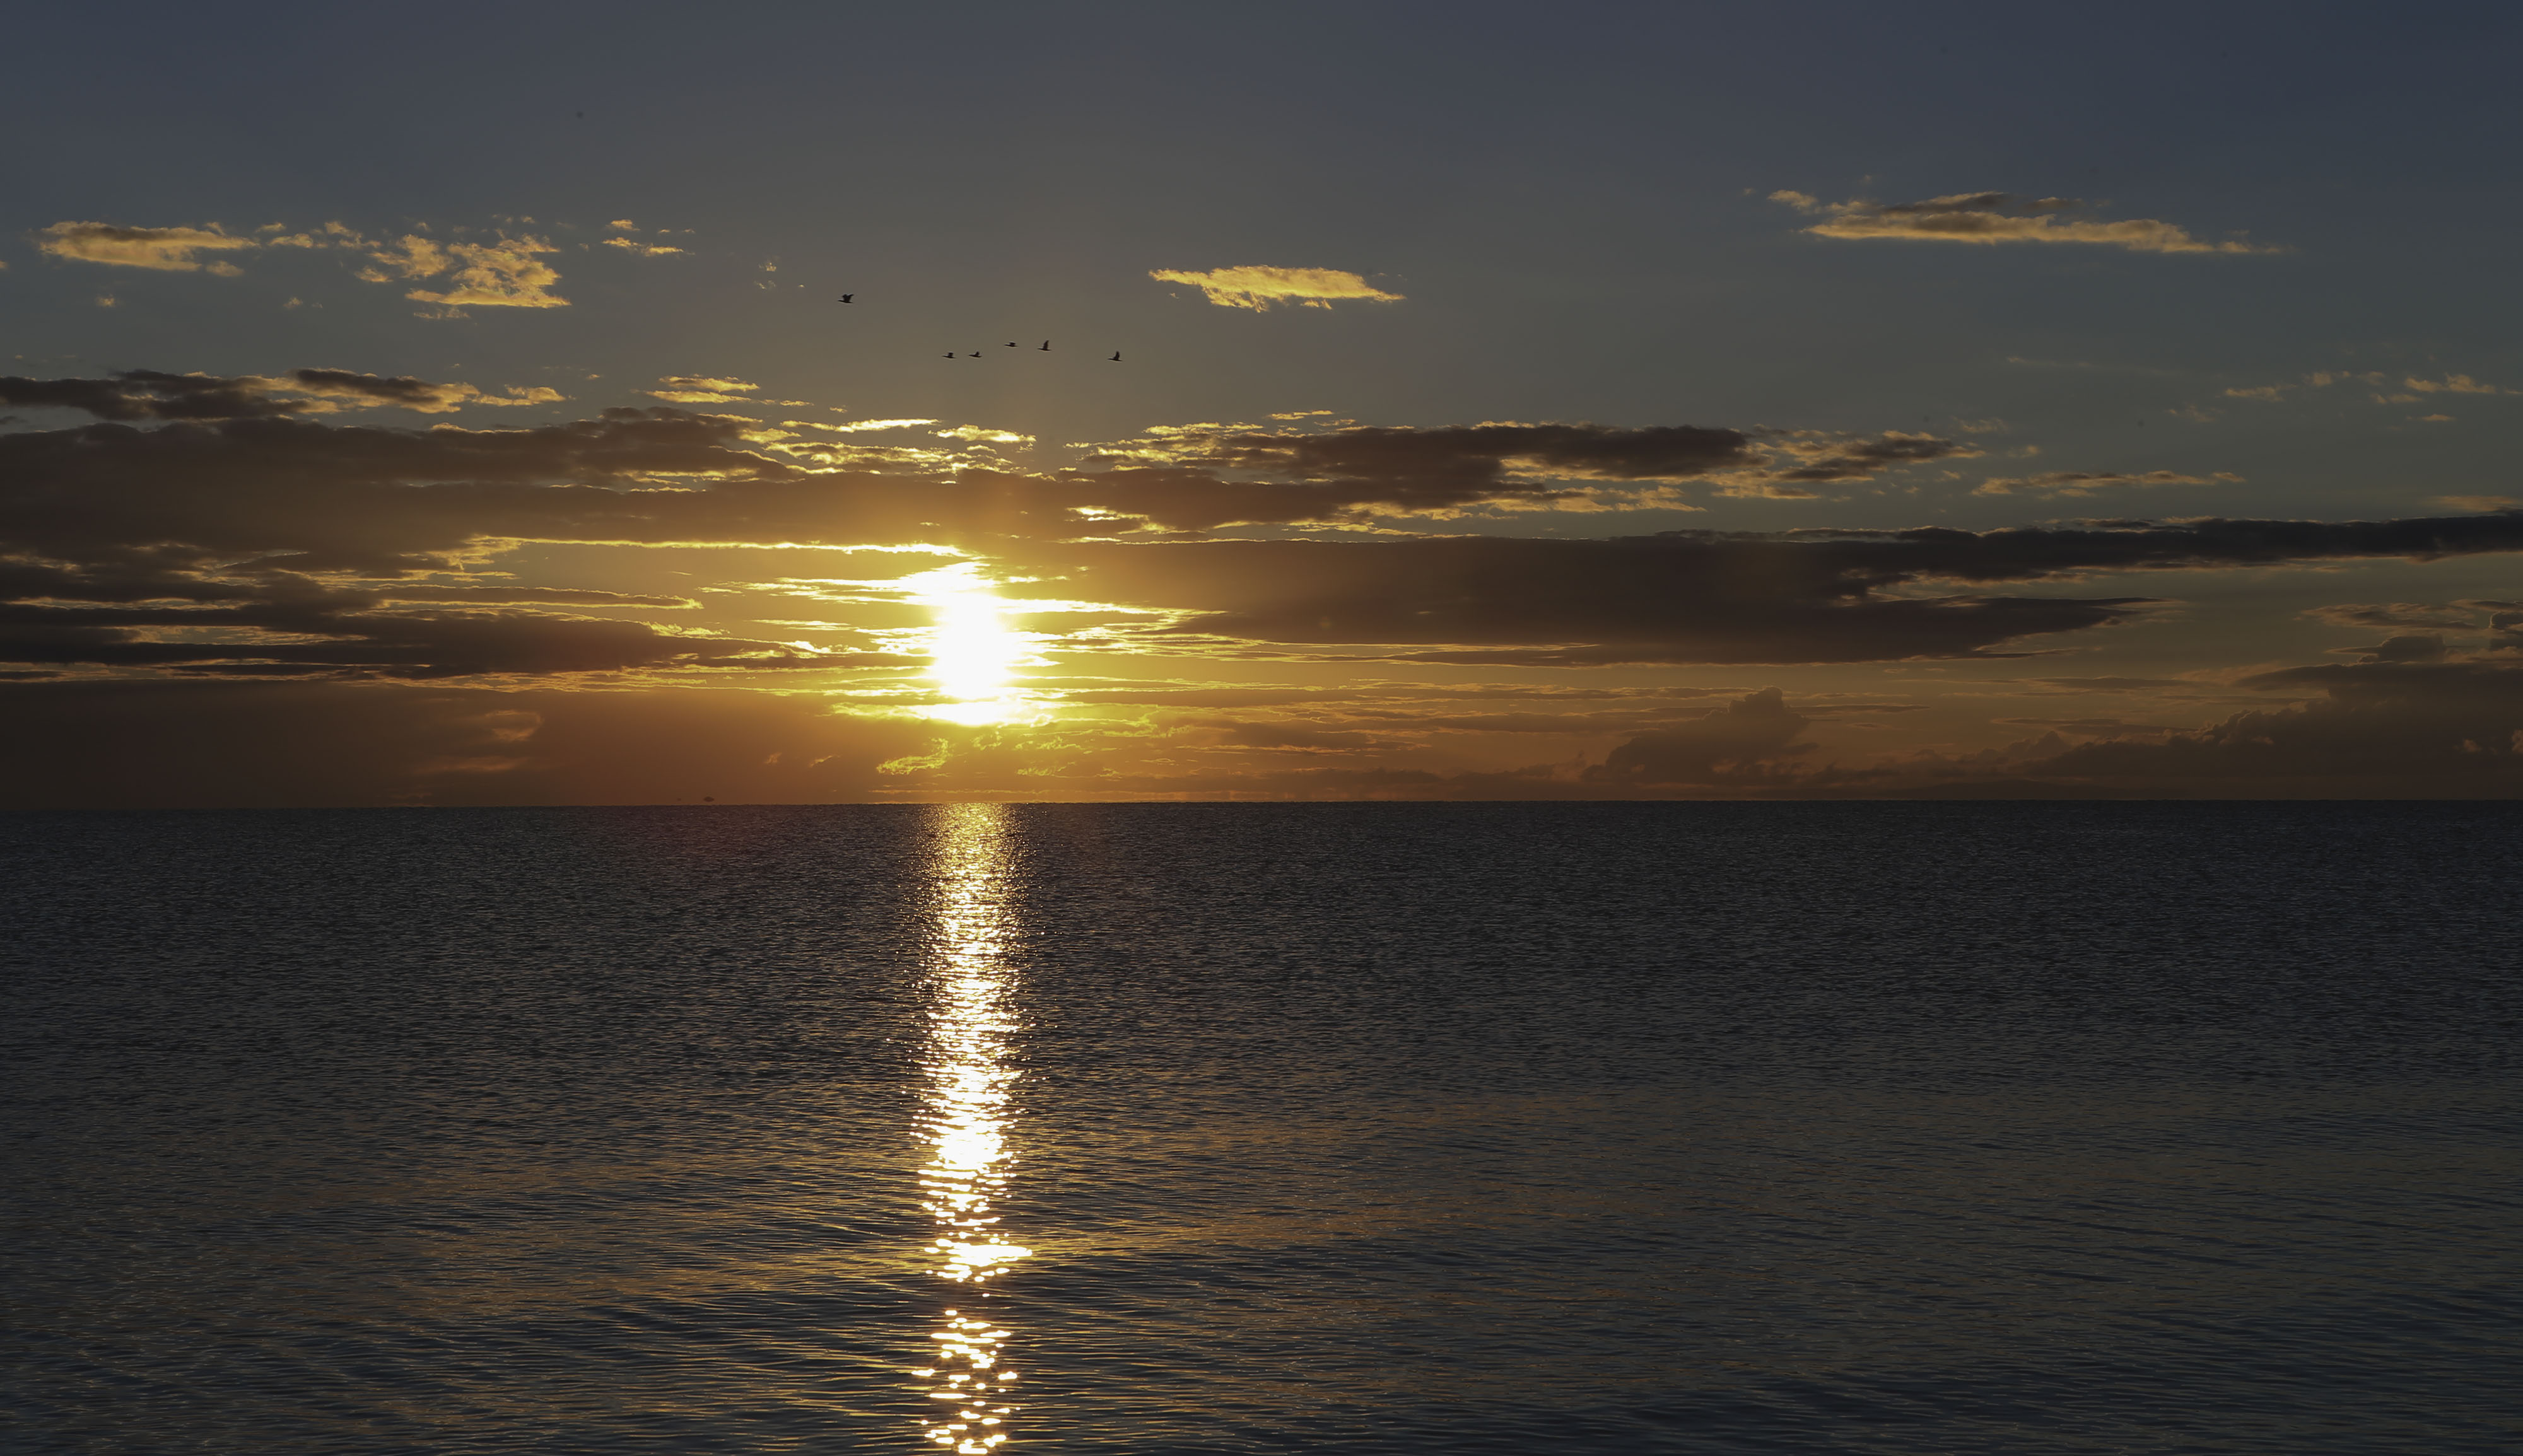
(2447, 730)
(2400, 614)
(297, 635)
(1811, 595)
(259, 516)
(2113, 685)
(1742, 743)
(2406, 647)
(134, 396)
(149, 394)
(129, 615)
(1375, 467)
(1564, 603)
(212, 744)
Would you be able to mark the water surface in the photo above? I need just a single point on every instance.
(1226, 1128)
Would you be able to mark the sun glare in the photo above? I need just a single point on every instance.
(972, 652)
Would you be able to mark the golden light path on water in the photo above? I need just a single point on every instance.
(964, 1121)
(972, 652)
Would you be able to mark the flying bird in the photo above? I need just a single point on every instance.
(1117, 357)
(1012, 343)
(975, 354)
(948, 355)
(845, 298)
(1046, 344)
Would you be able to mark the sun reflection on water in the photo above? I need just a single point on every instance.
(965, 1120)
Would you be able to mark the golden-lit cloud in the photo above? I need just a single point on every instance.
(402, 391)
(701, 389)
(2453, 384)
(639, 248)
(171, 249)
(2076, 483)
(330, 235)
(506, 275)
(1257, 287)
(1999, 217)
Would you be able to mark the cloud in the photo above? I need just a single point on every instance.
(2393, 614)
(506, 275)
(135, 394)
(209, 744)
(273, 622)
(639, 248)
(165, 249)
(2381, 729)
(2455, 384)
(983, 435)
(694, 389)
(1743, 742)
(1998, 217)
(1258, 288)
(1526, 602)
(405, 391)
(1697, 597)
(286, 524)
(1367, 470)
(2076, 483)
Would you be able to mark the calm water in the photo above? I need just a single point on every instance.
(1219, 1128)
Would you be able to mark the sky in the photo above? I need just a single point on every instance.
(1581, 401)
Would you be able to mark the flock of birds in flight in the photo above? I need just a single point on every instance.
(977, 353)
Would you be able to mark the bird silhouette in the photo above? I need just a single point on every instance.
(1046, 344)
(975, 354)
(1117, 357)
(948, 355)
(845, 298)
(1012, 343)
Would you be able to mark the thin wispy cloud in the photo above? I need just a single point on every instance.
(2076, 483)
(1259, 288)
(2000, 218)
(144, 394)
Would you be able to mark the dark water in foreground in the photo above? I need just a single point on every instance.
(1745, 1128)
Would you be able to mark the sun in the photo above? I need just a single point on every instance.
(972, 652)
